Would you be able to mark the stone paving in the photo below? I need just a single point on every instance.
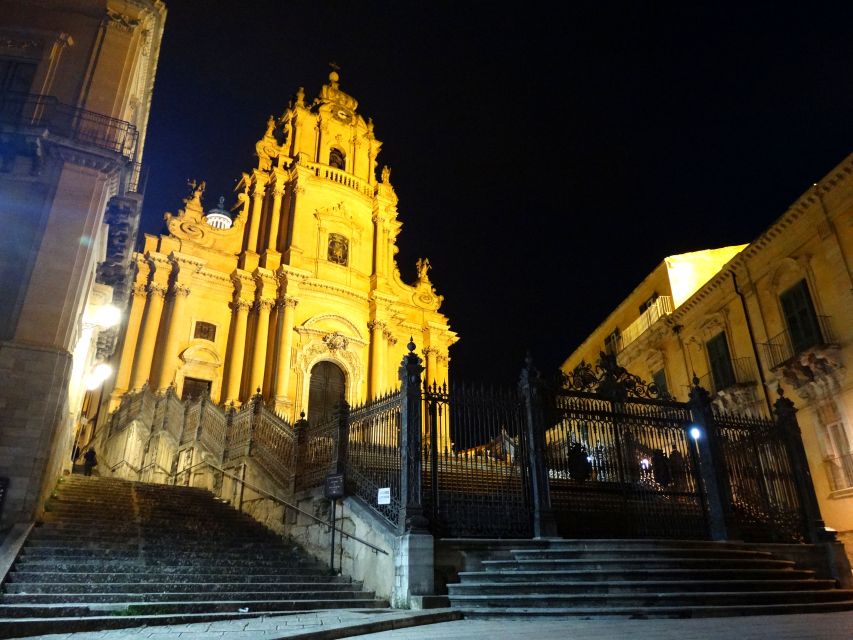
(356, 625)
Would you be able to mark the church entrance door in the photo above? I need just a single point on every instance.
(326, 391)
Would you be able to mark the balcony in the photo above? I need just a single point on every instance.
(22, 110)
(742, 373)
(785, 346)
(839, 469)
(659, 308)
(340, 177)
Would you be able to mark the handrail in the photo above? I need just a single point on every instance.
(281, 501)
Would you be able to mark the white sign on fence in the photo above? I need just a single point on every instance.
(383, 496)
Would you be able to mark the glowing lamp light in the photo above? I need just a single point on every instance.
(695, 433)
(97, 376)
(645, 463)
(107, 316)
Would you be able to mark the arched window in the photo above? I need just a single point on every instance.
(336, 158)
(325, 392)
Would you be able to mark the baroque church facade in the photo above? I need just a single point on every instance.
(295, 293)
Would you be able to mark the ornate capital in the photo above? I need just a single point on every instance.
(241, 305)
(180, 290)
(428, 351)
(156, 289)
(140, 290)
(286, 301)
(376, 325)
(264, 305)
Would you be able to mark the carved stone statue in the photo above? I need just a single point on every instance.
(423, 266)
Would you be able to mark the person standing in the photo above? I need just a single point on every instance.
(90, 460)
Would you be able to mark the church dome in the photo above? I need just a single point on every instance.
(219, 217)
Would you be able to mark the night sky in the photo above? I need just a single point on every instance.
(546, 159)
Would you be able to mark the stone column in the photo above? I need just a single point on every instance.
(430, 354)
(171, 343)
(238, 349)
(261, 180)
(259, 351)
(275, 214)
(285, 346)
(134, 324)
(377, 340)
(148, 339)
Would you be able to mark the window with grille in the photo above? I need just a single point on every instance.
(659, 380)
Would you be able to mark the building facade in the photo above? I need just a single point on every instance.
(750, 319)
(76, 81)
(297, 296)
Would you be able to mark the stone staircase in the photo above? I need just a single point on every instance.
(112, 553)
(643, 579)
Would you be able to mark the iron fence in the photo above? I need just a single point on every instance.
(373, 454)
(474, 482)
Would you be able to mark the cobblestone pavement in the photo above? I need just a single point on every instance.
(356, 625)
(812, 626)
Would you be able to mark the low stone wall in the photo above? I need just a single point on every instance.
(377, 571)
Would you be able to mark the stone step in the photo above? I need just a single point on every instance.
(642, 600)
(637, 574)
(693, 611)
(637, 543)
(258, 607)
(611, 563)
(650, 552)
(160, 551)
(80, 587)
(107, 566)
(638, 586)
(153, 575)
(183, 596)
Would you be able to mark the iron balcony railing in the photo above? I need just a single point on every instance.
(743, 372)
(839, 469)
(659, 308)
(785, 345)
(81, 126)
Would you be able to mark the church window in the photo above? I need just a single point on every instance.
(837, 454)
(800, 317)
(720, 362)
(338, 249)
(336, 158)
(205, 331)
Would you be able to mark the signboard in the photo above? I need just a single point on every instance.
(334, 486)
(383, 496)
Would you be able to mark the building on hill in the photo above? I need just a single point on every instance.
(296, 294)
(76, 82)
(749, 319)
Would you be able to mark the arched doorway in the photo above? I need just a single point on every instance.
(325, 392)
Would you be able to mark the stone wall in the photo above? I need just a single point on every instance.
(36, 426)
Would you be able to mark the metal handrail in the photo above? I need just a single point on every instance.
(274, 497)
(781, 348)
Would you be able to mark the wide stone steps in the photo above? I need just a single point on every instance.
(82, 587)
(642, 578)
(109, 550)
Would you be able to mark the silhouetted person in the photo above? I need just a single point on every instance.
(90, 460)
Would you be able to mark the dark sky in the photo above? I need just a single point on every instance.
(546, 159)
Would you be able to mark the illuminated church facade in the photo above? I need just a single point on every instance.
(294, 293)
